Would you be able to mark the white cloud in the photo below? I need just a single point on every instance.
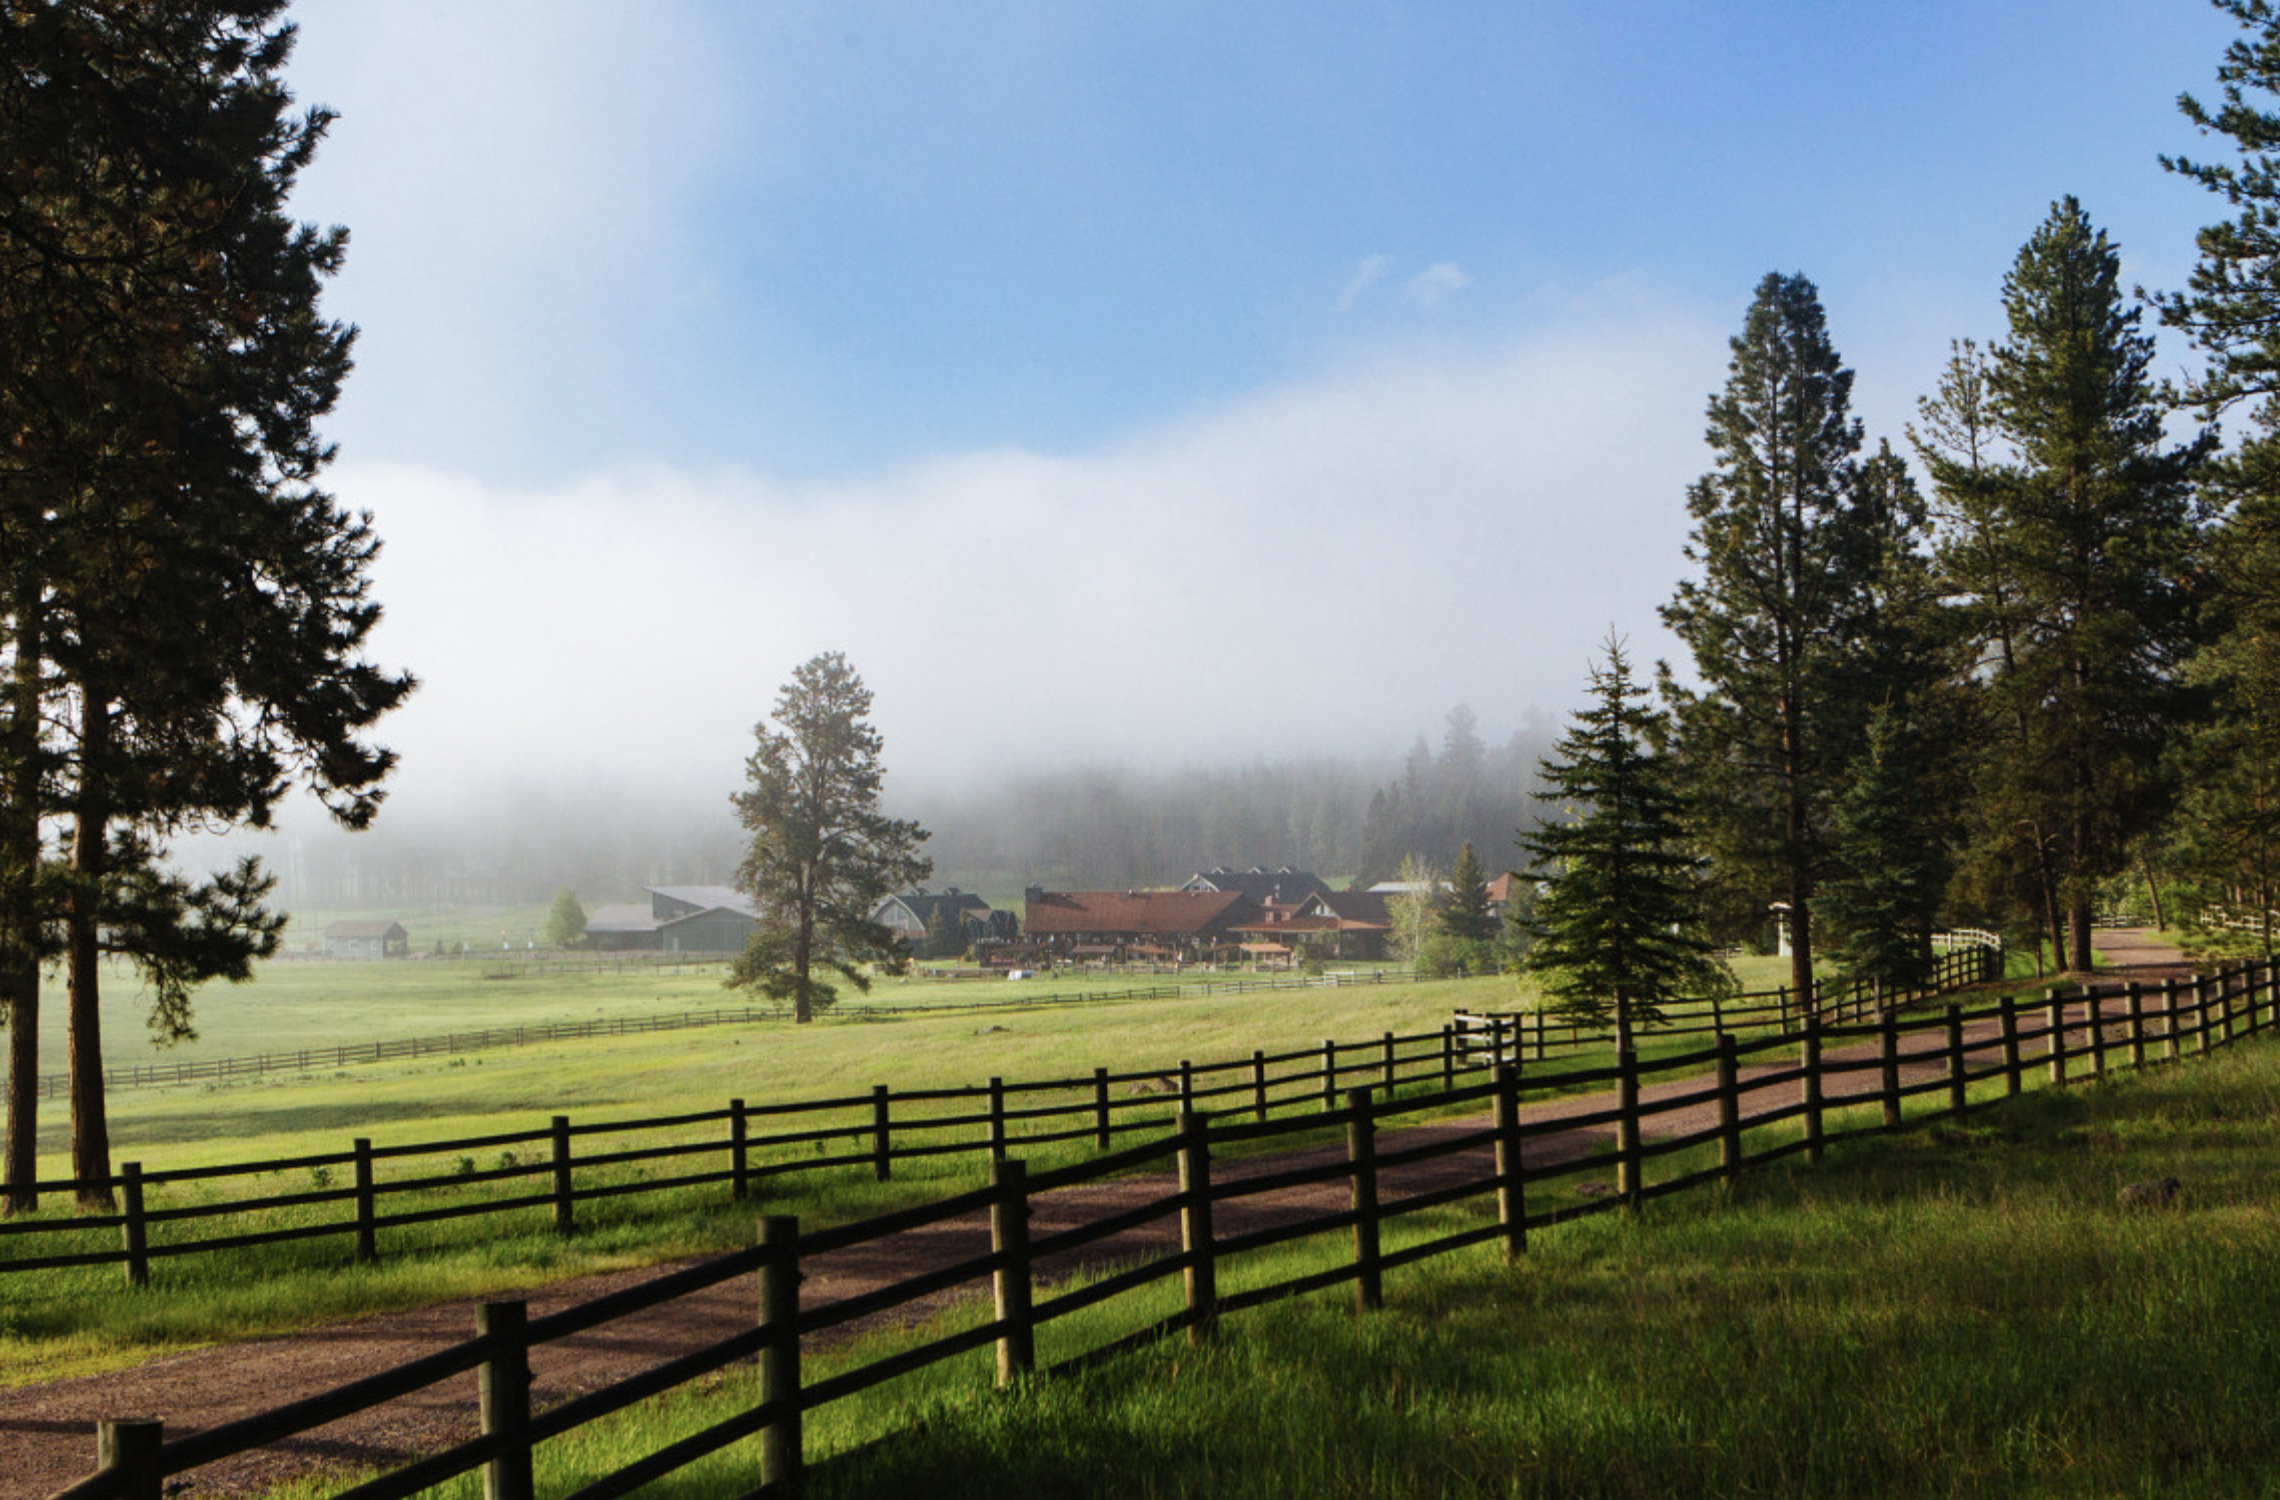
(1436, 281)
(1368, 272)
(1326, 566)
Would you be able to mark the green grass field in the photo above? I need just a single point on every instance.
(1961, 1310)
(51, 1323)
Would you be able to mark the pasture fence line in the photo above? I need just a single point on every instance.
(1934, 1059)
(451, 1044)
(563, 1165)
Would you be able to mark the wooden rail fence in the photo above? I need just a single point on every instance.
(1935, 1058)
(563, 1165)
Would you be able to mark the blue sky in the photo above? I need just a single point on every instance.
(1171, 382)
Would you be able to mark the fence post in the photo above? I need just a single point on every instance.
(1781, 1006)
(1511, 1180)
(562, 1198)
(1200, 1277)
(1448, 1058)
(1955, 1069)
(1888, 1058)
(1329, 1075)
(128, 1447)
(739, 1186)
(2169, 1019)
(882, 1133)
(1258, 1084)
(134, 1227)
(2054, 1022)
(2137, 1024)
(2201, 1014)
(1717, 1016)
(2097, 1032)
(1187, 1084)
(1627, 1126)
(1541, 1043)
(781, 1464)
(1361, 1160)
(367, 1236)
(503, 1392)
(2010, 1013)
(1729, 1110)
(997, 1119)
(1389, 1062)
(1009, 1241)
(1100, 1109)
(1810, 1056)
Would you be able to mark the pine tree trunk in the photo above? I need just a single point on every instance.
(19, 917)
(2078, 898)
(2153, 892)
(90, 838)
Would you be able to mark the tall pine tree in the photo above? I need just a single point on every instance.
(1791, 533)
(2076, 564)
(1617, 923)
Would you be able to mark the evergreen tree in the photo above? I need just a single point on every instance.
(2229, 838)
(1617, 924)
(1884, 904)
(822, 855)
(2090, 524)
(182, 609)
(946, 929)
(565, 920)
(1464, 915)
(1791, 534)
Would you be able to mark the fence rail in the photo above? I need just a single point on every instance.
(1932, 1060)
(356, 1195)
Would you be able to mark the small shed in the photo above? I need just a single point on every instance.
(367, 940)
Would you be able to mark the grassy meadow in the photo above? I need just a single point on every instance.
(73, 1321)
(1961, 1310)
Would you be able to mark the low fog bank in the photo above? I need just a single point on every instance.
(520, 840)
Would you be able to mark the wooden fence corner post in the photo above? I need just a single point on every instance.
(129, 1447)
(882, 1133)
(1511, 1180)
(1888, 1064)
(1627, 1174)
(997, 1119)
(739, 1183)
(782, 1466)
(1329, 1075)
(133, 1227)
(2137, 1024)
(1101, 1135)
(2054, 1024)
(2097, 1031)
(564, 1201)
(1258, 1084)
(367, 1214)
(2169, 1018)
(2201, 1014)
(1729, 1111)
(1956, 1072)
(503, 1391)
(1810, 1062)
(2009, 1009)
(1011, 1283)
(1361, 1165)
(1448, 1058)
(1200, 1277)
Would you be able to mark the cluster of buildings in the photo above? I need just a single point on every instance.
(1267, 918)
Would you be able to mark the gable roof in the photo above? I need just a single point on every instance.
(1285, 884)
(703, 898)
(361, 928)
(1135, 913)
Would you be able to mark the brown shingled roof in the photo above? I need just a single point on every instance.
(1135, 913)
